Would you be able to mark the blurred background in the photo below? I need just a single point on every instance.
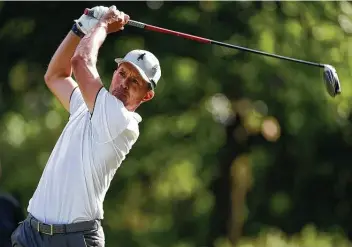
(236, 149)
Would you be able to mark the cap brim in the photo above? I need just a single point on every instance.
(141, 72)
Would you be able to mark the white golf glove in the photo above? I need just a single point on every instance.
(85, 23)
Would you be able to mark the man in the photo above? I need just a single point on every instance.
(67, 205)
(10, 215)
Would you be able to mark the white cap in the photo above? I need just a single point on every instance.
(146, 63)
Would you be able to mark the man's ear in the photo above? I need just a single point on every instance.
(148, 96)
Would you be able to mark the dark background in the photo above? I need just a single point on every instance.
(235, 147)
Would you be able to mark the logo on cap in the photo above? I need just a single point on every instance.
(155, 69)
(140, 57)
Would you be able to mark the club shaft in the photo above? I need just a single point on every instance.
(266, 54)
(209, 41)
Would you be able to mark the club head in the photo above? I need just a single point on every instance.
(331, 80)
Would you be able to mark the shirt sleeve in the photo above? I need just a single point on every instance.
(76, 100)
(109, 117)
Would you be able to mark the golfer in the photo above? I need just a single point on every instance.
(67, 206)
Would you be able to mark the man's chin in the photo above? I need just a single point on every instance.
(120, 96)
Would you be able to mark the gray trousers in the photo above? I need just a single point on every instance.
(73, 235)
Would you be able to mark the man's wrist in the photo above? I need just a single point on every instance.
(103, 24)
(76, 30)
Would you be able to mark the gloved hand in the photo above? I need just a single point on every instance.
(85, 23)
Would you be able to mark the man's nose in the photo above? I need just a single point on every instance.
(125, 83)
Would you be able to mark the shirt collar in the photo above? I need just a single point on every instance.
(137, 117)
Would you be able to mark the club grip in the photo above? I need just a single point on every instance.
(138, 24)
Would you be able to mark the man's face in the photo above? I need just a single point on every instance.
(129, 86)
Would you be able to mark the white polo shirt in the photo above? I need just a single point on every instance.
(84, 160)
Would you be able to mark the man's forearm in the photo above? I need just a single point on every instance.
(89, 46)
(60, 64)
(84, 64)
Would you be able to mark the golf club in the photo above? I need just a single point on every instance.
(331, 79)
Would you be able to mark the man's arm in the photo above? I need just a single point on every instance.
(85, 57)
(58, 75)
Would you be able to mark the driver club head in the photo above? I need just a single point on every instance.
(331, 80)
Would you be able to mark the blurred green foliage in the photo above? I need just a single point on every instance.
(235, 148)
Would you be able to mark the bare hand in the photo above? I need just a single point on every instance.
(115, 19)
